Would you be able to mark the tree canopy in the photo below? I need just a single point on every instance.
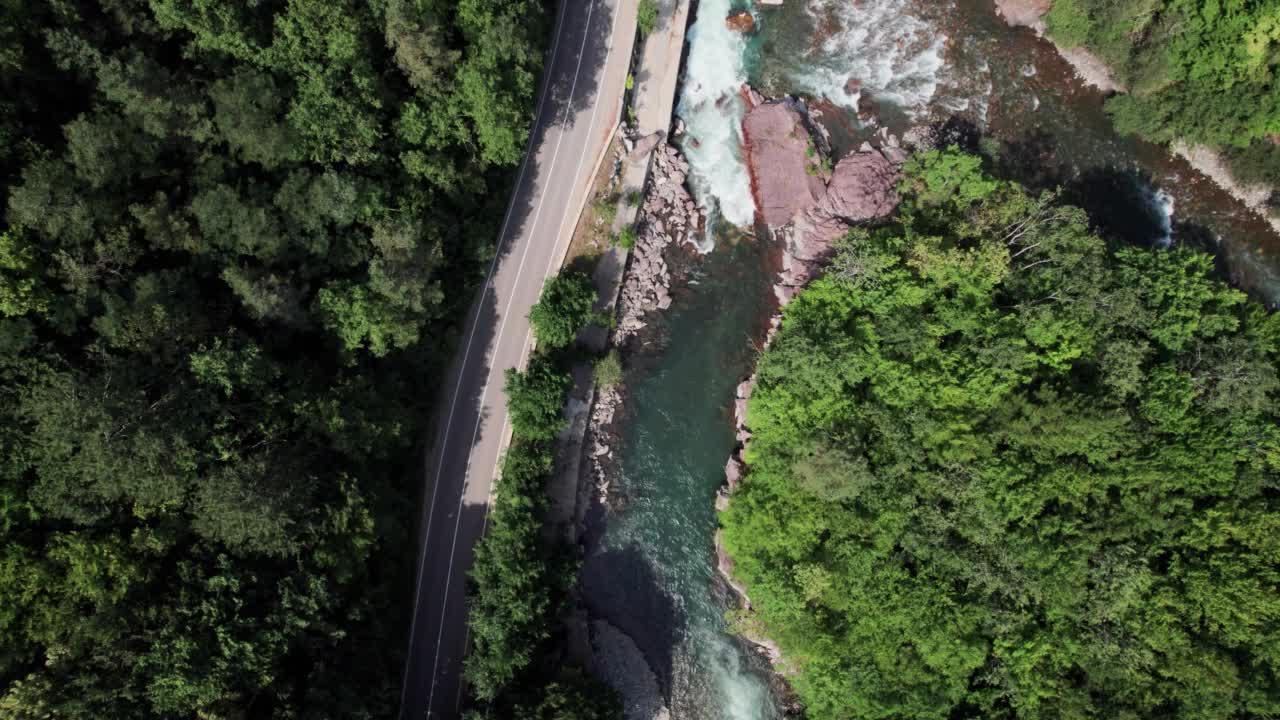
(1000, 470)
(237, 240)
(565, 306)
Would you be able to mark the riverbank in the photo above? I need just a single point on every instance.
(1094, 71)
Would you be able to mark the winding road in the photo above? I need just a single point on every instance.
(579, 105)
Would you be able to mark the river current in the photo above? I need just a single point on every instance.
(863, 64)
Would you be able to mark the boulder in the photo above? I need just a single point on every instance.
(862, 188)
(783, 161)
(646, 144)
(733, 472)
(741, 22)
(1024, 13)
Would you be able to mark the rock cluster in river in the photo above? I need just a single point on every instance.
(668, 216)
(806, 206)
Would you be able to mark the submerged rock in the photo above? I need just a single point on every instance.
(622, 665)
(742, 22)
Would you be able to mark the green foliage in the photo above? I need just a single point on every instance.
(607, 372)
(1068, 23)
(237, 239)
(567, 695)
(519, 580)
(626, 239)
(647, 17)
(565, 307)
(1000, 471)
(509, 612)
(606, 209)
(1204, 72)
(535, 399)
(20, 288)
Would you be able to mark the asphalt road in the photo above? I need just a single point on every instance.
(578, 108)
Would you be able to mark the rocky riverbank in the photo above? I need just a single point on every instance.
(668, 216)
(667, 226)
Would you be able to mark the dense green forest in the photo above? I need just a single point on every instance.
(1002, 470)
(1203, 71)
(238, 237)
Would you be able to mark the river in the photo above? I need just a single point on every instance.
(864, 64)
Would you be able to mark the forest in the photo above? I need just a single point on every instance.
(1004, 469)
(238, 240)
(1201, 71)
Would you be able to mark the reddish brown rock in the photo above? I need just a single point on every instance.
(786, 172)
(742, 22)
(862, 189)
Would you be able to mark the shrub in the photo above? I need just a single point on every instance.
(535, 398)
(647, 17)
(608, 370)
(626, 239)
(1068, 23)
(512, 598)
(606, 209)
(566, 306)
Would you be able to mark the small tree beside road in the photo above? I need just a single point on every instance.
(647, 17)
(535, 398)
(566, 306)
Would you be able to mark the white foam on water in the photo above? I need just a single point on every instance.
(1164, 206)
(721, 685)
(712, 110)
(875, 48)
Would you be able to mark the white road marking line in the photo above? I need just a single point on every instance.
(501, 327)
(560, 230)
(466, 355)
(547, 274)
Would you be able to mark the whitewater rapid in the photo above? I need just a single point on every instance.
(711, 107)
(872, 48)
